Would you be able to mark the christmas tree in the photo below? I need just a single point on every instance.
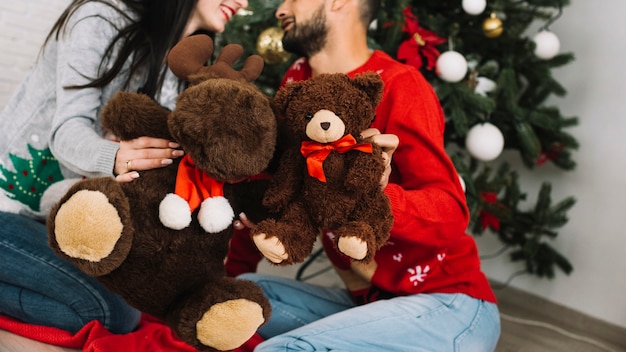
(493, 77)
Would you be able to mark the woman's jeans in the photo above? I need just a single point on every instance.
(312, 318)
(38, 287)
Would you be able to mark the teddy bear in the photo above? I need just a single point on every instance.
(328, 178)
(160, 241)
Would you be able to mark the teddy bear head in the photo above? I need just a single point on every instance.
(222, 121)
(328, 107)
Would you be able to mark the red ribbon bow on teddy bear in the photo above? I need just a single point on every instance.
(315, 153)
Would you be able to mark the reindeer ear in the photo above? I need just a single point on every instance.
(190, 55)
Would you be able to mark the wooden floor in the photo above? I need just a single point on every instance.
(532, 324)
(529, 324)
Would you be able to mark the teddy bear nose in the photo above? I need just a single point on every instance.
(325, 125)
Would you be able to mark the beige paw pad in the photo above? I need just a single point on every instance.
(271, 248)
(352, 247)
(228, 325)
(87, 226)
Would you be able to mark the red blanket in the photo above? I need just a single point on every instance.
(151, 335)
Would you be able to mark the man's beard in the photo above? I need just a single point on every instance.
(307, 38)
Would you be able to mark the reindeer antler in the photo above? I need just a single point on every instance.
(188, 57)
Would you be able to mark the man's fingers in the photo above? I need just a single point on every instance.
(389, 142)
(369, 132)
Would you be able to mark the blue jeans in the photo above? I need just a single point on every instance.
(312, 318)
(38, 287)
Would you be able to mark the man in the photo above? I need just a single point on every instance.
(425, 290)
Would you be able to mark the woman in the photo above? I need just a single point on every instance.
(50, 132)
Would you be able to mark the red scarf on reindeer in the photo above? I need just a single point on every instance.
(194, 185)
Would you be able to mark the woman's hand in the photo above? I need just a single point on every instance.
(242, 222)
(389, 143)
(143, 153)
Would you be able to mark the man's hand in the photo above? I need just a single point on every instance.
(389, 144)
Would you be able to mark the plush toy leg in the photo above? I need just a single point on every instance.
(288, 240)
(221, 316)
(356, 240)
(90, 226)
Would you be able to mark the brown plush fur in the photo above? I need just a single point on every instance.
(228, 128)
(350, 203)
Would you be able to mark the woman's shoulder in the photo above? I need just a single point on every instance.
(114, 12)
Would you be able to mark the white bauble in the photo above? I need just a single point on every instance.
(547, 45)
(462, 181)
(484, 141)
(474, 7)
(451, 66)
(484, 85)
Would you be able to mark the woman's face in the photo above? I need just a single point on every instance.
(213, 15)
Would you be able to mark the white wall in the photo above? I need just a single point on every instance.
(595, 237)
(23, 27)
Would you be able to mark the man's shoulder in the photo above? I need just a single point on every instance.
(390, 69)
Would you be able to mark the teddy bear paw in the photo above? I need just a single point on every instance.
(353, 247)
(174, 212)
(228, 325)
(271, 248)
(87, 226)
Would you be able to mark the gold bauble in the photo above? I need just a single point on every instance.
(270, 46)
(492, 26)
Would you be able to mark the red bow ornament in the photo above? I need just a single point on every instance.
(194, 188)
(421, 42)
(488, 219)
(315, 153)
(553, 153)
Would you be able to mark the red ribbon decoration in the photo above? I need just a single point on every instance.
(487, 219)
(194, 185)
(421, 42)
(552, 153)
(315, 153)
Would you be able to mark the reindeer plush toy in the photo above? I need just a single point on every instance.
(160, 240)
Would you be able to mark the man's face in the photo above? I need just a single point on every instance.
(305, 35)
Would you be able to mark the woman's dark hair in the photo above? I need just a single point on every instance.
(158, 26)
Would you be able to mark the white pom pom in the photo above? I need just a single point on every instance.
(174, 212)
(451, 66)
(547, 45)
(215, 214)
(474, 7)
(484, 142)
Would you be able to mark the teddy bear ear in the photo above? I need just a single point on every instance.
(283, 96)
(372, 84)
(189, 55)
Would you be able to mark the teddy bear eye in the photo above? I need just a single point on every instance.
(308, 116)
